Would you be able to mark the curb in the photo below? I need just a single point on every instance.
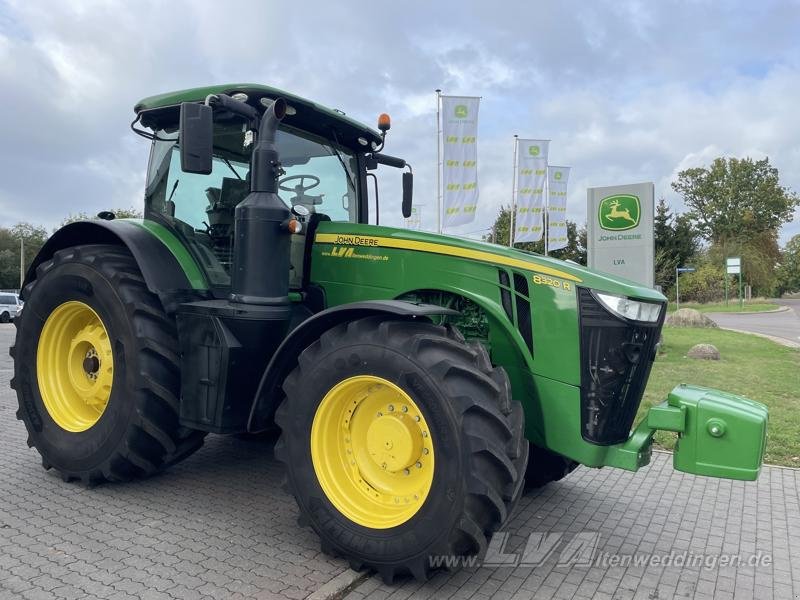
(755, 312)
(777, 340)
(339, 585)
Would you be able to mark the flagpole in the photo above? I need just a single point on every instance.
(513, 195)
(546, 211)
(438, 162)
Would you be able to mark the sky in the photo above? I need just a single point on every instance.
(627, 91)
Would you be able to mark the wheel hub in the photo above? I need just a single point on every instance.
(394, 442)
(75, 366)
(372, 451)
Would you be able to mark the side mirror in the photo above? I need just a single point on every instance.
(196, 138)
(408, 192)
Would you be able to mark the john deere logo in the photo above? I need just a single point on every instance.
(534, 150)
(620, 212)
(557, 175)
(460, 111)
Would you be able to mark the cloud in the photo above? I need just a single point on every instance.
(627, 91)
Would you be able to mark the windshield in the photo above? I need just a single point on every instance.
(201, 208)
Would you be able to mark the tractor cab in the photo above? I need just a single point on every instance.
(324, 157)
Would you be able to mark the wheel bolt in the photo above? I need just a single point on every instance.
(419, 465)
(407, 472)
(425, 450)
(416, 418)
(391, 408)
(405, 409)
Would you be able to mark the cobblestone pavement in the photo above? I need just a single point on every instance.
(654, 512)
(218, 525)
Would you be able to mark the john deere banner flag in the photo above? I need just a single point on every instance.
(531, 174)
(557, 178)
(459, 159)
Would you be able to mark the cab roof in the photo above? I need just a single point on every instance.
(162, 111)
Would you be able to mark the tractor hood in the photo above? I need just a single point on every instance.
(349, 234)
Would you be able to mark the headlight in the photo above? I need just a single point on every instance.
(634, 310)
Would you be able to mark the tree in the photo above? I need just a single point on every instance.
(675, 242)
(576, 239)
(32, 237)
(734, 199)
(789, 269)
(119, 213)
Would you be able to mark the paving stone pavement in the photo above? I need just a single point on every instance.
(218, 525)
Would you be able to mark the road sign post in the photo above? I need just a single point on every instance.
(733, 266)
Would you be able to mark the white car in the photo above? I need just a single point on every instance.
(10, 305)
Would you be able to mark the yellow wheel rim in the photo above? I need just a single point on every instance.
(74, 366)
(372, 452)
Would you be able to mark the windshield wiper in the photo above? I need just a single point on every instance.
(230, 166)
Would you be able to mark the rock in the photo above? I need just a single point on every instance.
(704, 352)
(689, 317)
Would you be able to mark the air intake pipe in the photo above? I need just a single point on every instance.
(262, 241)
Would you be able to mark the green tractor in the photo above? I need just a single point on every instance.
(420, 382)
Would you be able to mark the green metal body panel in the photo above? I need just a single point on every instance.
(719, 434)
(355, 262)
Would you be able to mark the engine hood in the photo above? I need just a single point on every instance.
(350, 234)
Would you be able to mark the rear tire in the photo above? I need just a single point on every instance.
(471, 439)
(137, 433)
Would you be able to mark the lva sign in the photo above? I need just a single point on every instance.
(620, 231)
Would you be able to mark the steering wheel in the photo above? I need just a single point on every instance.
(299, 188)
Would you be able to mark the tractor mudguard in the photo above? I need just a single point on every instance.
(284, 360)
(168, 269)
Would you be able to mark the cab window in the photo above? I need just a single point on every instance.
(317, 175)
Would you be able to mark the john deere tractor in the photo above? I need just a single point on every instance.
(420, 382)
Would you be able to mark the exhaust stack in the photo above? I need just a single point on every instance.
(261, 244)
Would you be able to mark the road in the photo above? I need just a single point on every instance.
(784, 325)
(218, 525)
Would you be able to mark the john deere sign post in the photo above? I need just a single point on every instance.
(620, 231)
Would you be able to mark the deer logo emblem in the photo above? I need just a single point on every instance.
(619, 212)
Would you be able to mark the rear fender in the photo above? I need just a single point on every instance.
(168, 269)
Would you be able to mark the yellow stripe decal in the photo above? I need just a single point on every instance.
(347, 239)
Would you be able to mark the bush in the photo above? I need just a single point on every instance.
(707, 284)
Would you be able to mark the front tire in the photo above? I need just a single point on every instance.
(96, 369)
(545, 466)
(401, 444)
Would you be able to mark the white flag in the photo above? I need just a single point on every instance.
(415, 220)
(531, 175)
(557, 178)
(460, 159)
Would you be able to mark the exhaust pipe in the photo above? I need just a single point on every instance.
(261, 244)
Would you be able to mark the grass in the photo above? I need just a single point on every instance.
(750, 366)
(757, 305)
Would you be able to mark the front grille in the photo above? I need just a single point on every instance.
(616, 358)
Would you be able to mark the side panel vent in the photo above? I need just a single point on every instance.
(524, 324)
(505, 295)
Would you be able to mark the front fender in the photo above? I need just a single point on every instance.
(285, 357)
